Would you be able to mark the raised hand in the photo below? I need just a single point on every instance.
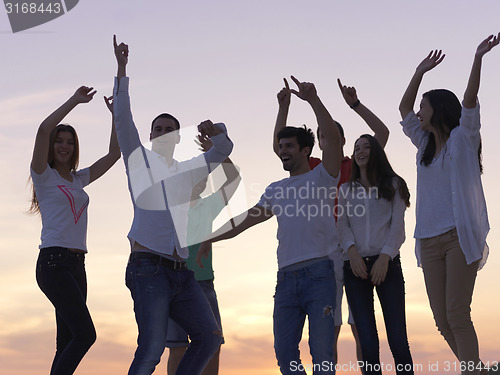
(472, 89)
(121, 52)
(207, 129)
(204, 142)
(284, 95)
(349, 93)
(433, 59)
(487, 44)
(307, 90)
(109, 103)
(84, 94)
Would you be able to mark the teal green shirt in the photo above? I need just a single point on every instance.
(200, 219)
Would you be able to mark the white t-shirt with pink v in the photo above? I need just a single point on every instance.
(63, 207)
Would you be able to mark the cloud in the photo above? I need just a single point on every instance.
(28, 353)
(245, 355)
(14, 110)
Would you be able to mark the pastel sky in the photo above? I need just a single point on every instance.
(224, 61)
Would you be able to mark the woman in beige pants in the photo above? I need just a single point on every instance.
(451, 217)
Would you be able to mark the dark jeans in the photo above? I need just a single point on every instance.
(392, 300)
(159, 293)
(60, 274)
(176, 336)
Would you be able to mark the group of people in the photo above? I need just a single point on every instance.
(346, 230)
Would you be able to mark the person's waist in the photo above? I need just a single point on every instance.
(136, 246)
(173, 264)
(70, 251)
(372, 258)
(303, 264)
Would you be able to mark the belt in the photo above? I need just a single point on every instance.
(59, 249)
(175, 265)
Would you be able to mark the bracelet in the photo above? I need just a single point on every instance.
(355, 104)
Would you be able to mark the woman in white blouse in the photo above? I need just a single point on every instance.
(371, 229)
(451, 217)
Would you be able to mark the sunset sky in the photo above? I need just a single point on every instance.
(224, 61)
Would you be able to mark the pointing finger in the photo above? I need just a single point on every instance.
(286, 84)
(341, 87)
(114, 41)
(297, 82)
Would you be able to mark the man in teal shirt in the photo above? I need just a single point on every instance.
(201, 214)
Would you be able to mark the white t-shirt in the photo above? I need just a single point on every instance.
(63, 207)
(304, 208)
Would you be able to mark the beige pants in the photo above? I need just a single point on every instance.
(450, 283)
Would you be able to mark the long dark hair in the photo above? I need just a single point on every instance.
(446, 113)
(34, 207)
(380, 173)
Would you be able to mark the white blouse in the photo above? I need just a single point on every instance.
(372, 223)
(469, 205)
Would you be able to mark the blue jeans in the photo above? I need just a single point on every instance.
(60, 274)
(176, 336)
(310, 291)
(391, 294)
(159, 292)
